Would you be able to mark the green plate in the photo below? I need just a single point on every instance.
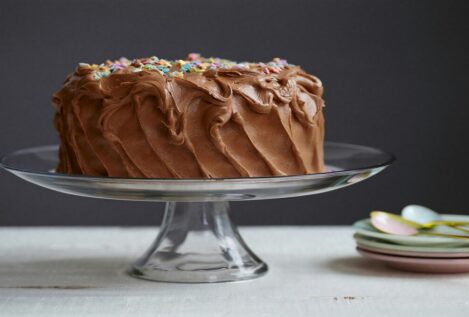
(376, 245)
(364, 228)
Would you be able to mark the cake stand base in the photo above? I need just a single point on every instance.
(198, 243)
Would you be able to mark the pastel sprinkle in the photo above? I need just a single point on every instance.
(194, 63)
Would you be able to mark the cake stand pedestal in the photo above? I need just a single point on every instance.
(197, 241)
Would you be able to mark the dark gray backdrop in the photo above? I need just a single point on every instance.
(396, 75)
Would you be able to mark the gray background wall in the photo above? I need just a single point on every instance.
(395, 72)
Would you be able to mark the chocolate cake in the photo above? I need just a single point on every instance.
(193, 118)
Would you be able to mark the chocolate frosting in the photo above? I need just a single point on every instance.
(219, 123)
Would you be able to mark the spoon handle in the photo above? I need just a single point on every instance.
(453, 224)
(459, 228)
(456, 236)
(448, 223)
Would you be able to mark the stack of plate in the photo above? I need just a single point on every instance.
(419, 253)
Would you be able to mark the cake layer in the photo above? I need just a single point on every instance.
(193, 118)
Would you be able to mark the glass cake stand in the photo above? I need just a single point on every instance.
(197, 241)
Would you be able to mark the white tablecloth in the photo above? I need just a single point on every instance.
(314, 271)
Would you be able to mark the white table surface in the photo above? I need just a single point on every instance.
(314, 271)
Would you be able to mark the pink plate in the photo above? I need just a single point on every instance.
(414, 254)
(421, 265)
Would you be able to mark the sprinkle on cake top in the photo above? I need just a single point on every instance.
(194, 63)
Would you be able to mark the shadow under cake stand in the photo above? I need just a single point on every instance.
(197, 241)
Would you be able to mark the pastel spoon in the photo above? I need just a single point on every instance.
(394, 224)
(419, 214)
(389, 223)
(429, 218)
